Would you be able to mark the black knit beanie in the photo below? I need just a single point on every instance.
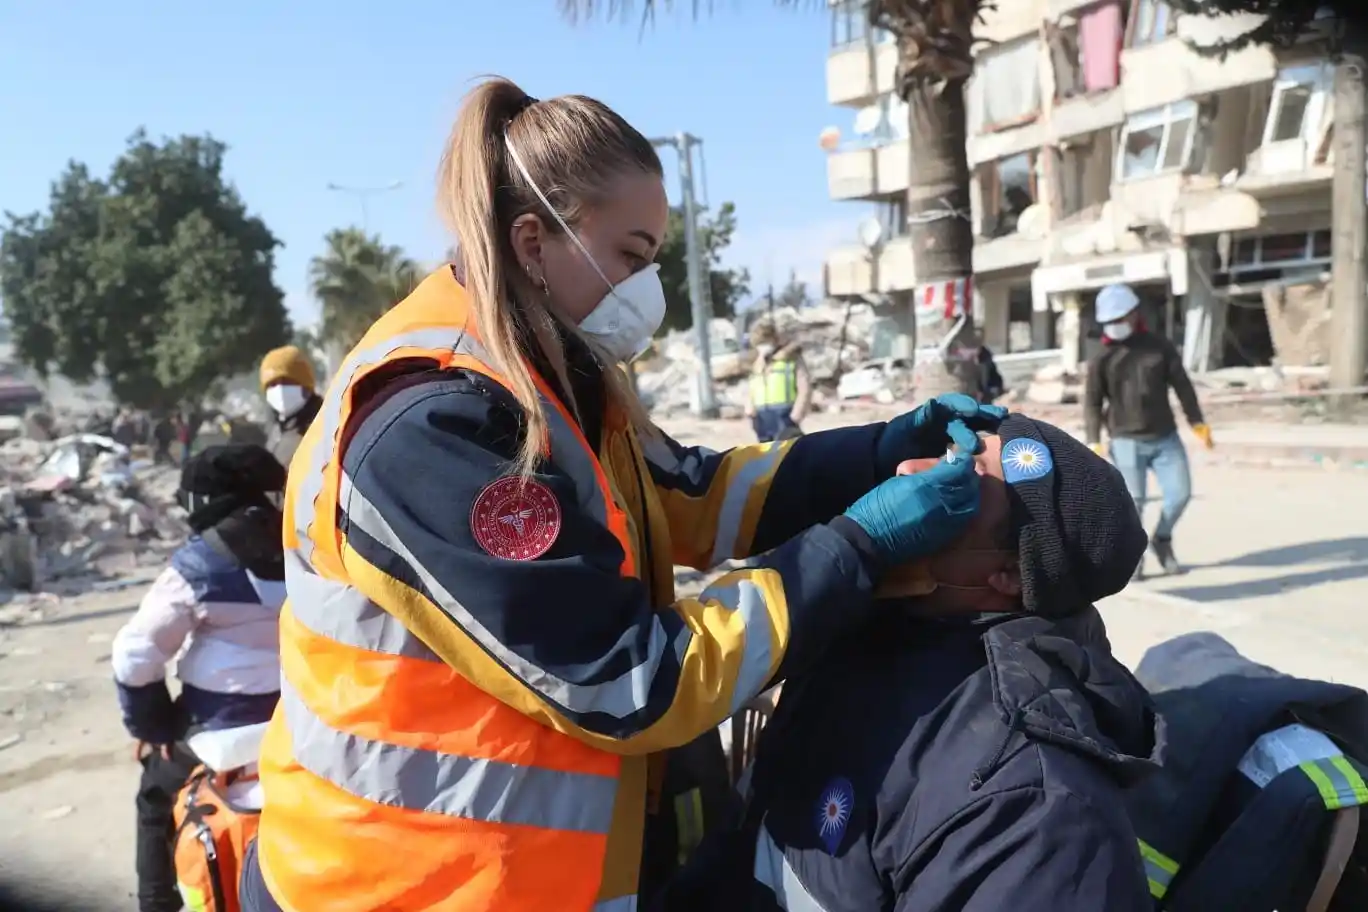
(223, 479)
(1079, 535)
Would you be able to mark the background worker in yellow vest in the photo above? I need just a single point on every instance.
(780, 386)
(287, 382)
(483, 658)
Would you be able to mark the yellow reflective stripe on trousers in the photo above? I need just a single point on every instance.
(688, 822)
(1159, 869)
(437, 783)
(1339, 784)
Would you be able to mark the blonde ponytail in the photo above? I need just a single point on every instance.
(572, 146)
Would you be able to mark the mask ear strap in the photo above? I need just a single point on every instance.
(522, 169)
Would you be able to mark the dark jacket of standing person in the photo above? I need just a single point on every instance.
(991, 386)
(1128, 389)
(968, 750)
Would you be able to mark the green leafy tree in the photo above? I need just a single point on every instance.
(156, 278)
(935, 59)
(726, 286)
(1286, 22)
(356, 279)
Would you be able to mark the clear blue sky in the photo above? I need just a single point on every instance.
(361, 92)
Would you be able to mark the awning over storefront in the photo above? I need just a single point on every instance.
(1166, 265)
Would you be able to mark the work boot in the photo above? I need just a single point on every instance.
(1163, 550)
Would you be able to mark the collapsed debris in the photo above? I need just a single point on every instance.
(835, 339)
(79, 509)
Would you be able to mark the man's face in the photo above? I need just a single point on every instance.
(978, 572)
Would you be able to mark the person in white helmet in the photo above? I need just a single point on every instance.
(1127, 389)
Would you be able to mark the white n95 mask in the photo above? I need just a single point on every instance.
(1117, 332)
(629, 314)
(632, 311)
(286, 399)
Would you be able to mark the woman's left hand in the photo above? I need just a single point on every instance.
(929, 429)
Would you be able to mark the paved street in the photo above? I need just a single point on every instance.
(1279, 566)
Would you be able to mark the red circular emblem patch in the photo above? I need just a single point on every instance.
(516, 519)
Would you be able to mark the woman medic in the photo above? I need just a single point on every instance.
(483, 658)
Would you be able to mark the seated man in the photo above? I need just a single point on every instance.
(966, 752)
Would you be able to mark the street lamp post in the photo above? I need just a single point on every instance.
(684, 143)
(363, 194)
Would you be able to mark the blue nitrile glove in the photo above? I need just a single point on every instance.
(911, 516)
(929, 429)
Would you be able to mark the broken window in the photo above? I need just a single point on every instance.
(1273, 251)
(1298, 103)
(1005, 90)
(1008, 187)
(892, 215)
(1158, 140)
(1151, 22)
(1085, 173)
(1065, 59)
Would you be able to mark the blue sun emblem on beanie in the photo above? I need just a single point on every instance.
(1025, 459)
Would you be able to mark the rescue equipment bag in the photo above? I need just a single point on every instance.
(214, 823)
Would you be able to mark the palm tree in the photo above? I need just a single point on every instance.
(935, 59)
(356, 279)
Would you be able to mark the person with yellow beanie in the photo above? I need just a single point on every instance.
(287, 381)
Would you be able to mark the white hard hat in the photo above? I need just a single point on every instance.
(1114, 302)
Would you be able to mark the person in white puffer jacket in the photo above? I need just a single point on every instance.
(215, 611)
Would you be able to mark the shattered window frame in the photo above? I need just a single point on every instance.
(1249, 255)
(1163, 120)
(1150, 22)
(1313, 79)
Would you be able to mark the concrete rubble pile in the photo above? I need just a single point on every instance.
(80, 508)
(666, 379)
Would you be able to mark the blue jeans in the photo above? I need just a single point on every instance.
(1167, 458)
(774, 422)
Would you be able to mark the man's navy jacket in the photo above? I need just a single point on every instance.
(945, 767)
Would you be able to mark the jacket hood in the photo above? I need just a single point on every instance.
(1056, 681)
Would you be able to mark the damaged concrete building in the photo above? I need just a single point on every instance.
(1105, 149)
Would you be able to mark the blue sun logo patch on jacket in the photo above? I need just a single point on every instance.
(1024, 459)
(833, 813)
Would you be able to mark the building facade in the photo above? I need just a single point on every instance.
(1105, 149)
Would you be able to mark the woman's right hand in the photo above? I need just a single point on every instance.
(912, 516)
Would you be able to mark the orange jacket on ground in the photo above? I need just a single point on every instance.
(475, 670)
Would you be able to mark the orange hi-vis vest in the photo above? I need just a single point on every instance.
(391, 780)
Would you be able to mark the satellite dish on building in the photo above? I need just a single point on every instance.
(871, 233)
(1032, 223)
(829, 139)
(869, 120)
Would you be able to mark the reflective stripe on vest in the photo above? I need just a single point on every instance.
(774, 871)
(775, 384)
(391, 780)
